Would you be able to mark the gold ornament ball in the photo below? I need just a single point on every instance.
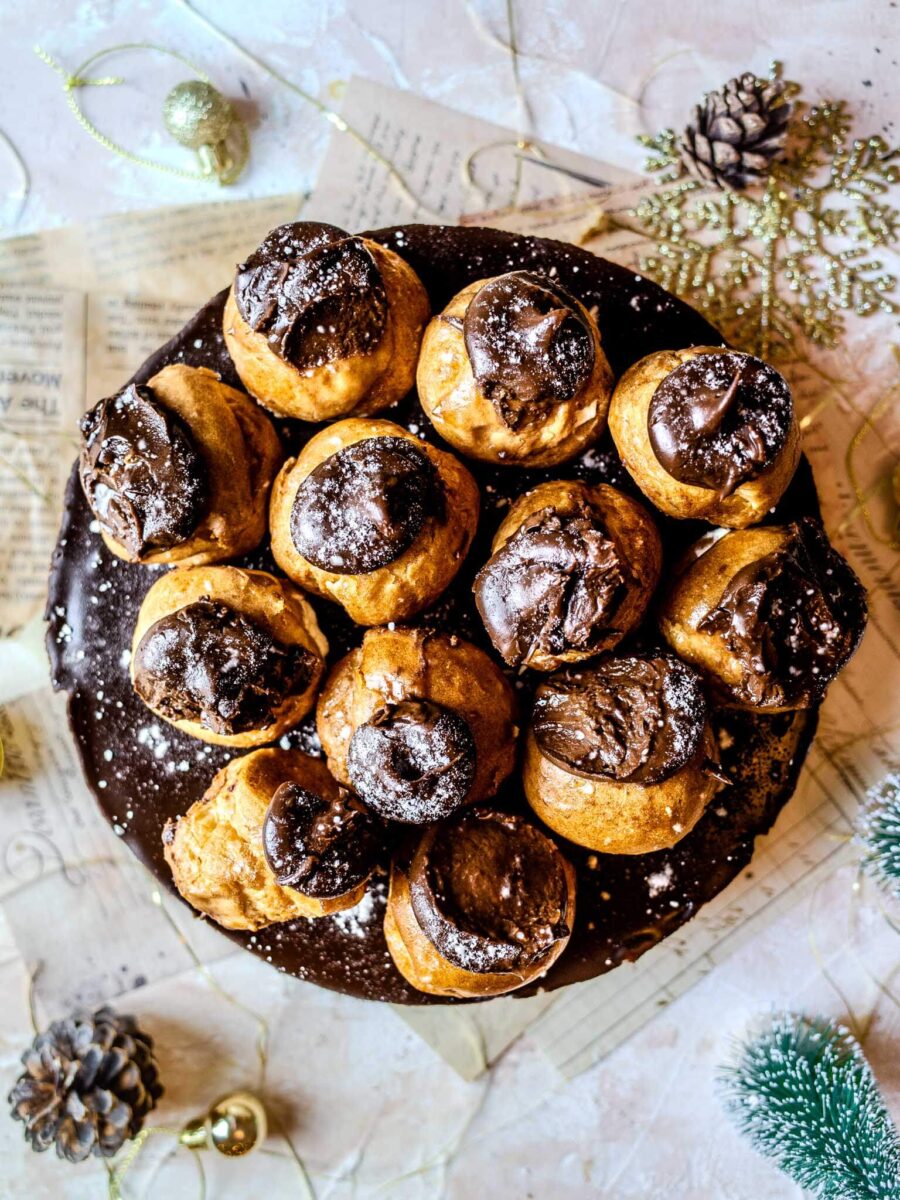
(234, 1126)
(196, 114)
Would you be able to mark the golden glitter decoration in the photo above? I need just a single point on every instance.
(789, 257)
(198, 116)
(234, 1126)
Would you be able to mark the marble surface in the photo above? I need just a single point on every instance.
(370, 1109)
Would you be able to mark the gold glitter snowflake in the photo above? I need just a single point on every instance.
(791, 255)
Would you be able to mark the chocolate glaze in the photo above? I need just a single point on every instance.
(619, 916)
(364, 506)
(720, 420)
(792, 618)
(141, 472)
(489, 891)
(631, 718)
(529, 345)
(322, 847)
(208, 663)
(554, 586)
(413, 762)
(315, 292)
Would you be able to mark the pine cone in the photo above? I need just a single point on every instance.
(89, 1082)
(737, 133)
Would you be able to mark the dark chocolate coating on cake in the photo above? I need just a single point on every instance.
(529, 345)
(322, 847)
(315, 292)
(208, 663)
(630, 718)
(413, 762)
(619, 918)
(143, 477)
(719, 420)
(792, 618)
(554, 586)
(364, 506)
(489, 891)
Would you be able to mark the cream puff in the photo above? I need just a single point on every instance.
(321, 324)
(373, 518)
(418, 723)
(707, 433)
(227, 655)
(571, 573)
(273, 838)
(620, 756)
(769, 615)
(485, 905)
(512, 371)
(178, 470)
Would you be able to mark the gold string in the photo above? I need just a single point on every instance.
(25, 179)
(334, 118)
(72, 83)
(262, 1036)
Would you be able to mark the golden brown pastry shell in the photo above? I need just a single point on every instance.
(618, 818)
(423, 966)
(361, 384)
(394, 665)
(215, 851)
(629, 525)
(420, 574)
(701, 578)
(468, 420)
(275, 603)
(628, 413)
(241, 454)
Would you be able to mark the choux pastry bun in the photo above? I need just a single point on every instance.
(707, 433)
(227, 655)
(512, 371)
(321, 324)
(572, 572)
(178, 470)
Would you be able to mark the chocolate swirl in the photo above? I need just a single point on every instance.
(208, 663)
(792, 619)
(635, 718)
(529, 345)
(322, 847)
(489, 891)
(554, 586)
(720, 420)
(315, 292)
(413, 762)
(142, 475)
(363, 507)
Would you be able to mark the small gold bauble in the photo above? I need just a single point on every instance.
(196, 114)
(234, 1126)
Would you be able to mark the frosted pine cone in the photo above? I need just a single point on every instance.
(737, 133)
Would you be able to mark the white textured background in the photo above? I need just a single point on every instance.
(367, 1102)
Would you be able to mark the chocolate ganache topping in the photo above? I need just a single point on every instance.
(792, 619)
(554, 586)
(720, 420)
(363, 507)
(489, 891)
(529, 345)
(315, 292)
(208, 663)
(634, 718)
(142, 475)
(319, 846)
(413, 762)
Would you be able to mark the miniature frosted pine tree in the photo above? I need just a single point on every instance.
(804, 1094)
(879, 832)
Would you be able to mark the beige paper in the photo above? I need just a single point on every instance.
(186, 253)
(432, 146)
